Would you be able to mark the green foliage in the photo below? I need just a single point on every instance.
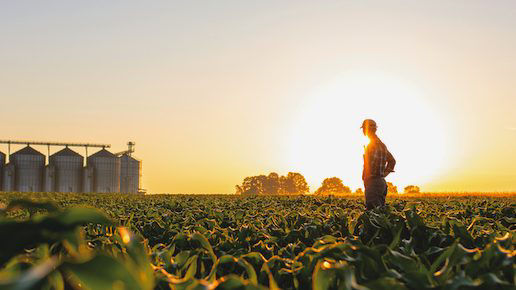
(49, 250)
(254, 242)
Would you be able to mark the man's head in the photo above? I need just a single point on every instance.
(369, 127)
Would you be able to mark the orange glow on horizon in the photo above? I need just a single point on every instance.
(214, 92)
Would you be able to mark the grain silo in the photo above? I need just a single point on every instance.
(106, 171)
(28, 164)
(87, 179)
(8, 178)
(49, 180)
(130, 174)
(2, 165)
(68, 166)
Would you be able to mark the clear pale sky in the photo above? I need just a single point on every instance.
(213, 91)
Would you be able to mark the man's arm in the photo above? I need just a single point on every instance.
(391, 162)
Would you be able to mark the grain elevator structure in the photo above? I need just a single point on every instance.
(68, 171)
(67, 166)
(2, 166)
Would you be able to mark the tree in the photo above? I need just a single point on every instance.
(359, 191)
(332, 185)
(411, 189)
(391, 188)
(272, 184)
(294, 183)
(251, 185)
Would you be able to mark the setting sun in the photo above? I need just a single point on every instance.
(326, 140)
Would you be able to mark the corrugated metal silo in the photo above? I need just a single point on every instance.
(130, 174)
(8, 178)
(69, 170)
(29, 164)
(49, 184)
(106, 171)
(2, 165)
(87, 179)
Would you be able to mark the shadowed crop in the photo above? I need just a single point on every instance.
(234, 242)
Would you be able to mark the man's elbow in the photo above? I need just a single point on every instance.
(391, 164)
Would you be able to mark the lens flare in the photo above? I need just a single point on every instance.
(124, 234)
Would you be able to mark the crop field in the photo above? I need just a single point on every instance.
(104, 241)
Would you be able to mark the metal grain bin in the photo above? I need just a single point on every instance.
(69, 170)
(106, 171)
(2, 165)
(28, 164)
(130, 174)
(8, 178)
(87, 179)
(49, 184)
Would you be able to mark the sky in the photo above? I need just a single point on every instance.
(214, 91)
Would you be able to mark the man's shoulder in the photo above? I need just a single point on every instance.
(377, 143)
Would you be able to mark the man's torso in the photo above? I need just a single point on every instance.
(375, 159)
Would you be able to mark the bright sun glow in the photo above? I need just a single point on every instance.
(326, 140)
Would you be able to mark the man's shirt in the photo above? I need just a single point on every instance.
(378, 161)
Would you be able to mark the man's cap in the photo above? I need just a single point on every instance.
(369, 123)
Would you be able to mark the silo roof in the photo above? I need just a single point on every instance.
(103, 153)
(67, 152)
(125, 155)
(28, 151)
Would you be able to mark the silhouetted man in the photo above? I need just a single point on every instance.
(378, 163)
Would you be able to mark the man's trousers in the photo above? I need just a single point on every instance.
(375, 192)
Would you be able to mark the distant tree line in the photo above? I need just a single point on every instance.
(412, 189)
(274, 184)
(295, 183)
(391, 188)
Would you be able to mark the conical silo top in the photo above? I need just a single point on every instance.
(66, 152)
(129, 157)
(28, 151)
(103, 153)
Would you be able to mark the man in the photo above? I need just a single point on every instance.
(378, 163)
